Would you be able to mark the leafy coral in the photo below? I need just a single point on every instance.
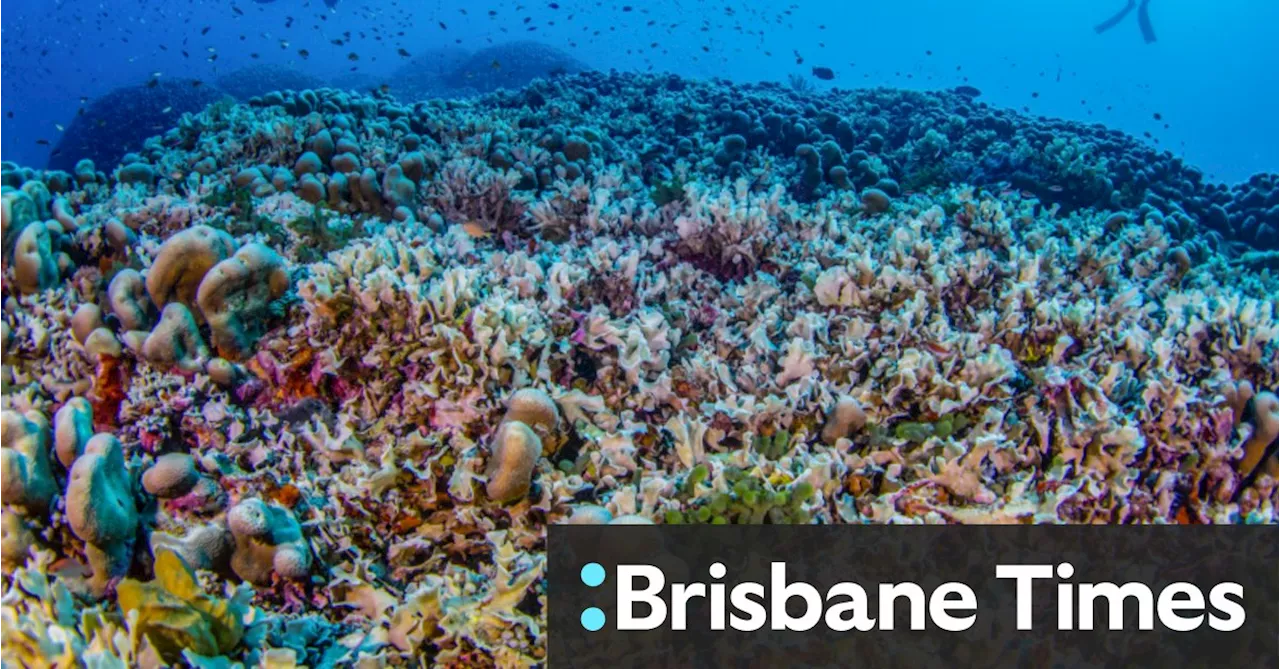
(174, 613)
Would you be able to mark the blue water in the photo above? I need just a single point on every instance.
(1211, 75)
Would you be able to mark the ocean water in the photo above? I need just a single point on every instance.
(324, 313)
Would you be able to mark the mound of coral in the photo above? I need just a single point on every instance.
(423, 76)
(119, 121)
(510, 65)
(305, 381)
(246, 82)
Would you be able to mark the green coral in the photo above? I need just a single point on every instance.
(666, 192)
(174, 614)
(323, 231)
(773, 447)
(918, 433)
(750, 500)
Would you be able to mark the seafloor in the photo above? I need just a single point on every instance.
(305, 379)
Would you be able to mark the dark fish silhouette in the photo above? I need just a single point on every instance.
(824, 73)
(967, 91)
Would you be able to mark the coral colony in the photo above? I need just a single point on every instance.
(304, 379)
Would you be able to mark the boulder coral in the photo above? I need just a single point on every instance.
(518, 443)
(127, 295)
(182, 262)
(268, 541)
(35, 267)
(1266, 427)
(73, 428)
(176, 342)
(101, 509)
(236, 295)
(172, 475)
(27, 476)
(516, 449)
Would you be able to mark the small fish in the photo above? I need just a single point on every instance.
(495, 64)
(42, 142)
(304, 53)
(403, 53)
(59, 127)
(475, 230)
(967, 91)
(824, 73)
(1157, 116)
(153, 83)
(166, 110)
(353, 56)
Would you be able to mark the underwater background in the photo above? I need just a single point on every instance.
(315, 315)
(1211, 74)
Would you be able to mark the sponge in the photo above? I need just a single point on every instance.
(101, 510)
(268, 540)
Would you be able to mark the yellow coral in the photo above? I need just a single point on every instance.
(174, 614)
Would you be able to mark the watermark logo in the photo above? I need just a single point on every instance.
(592, 618)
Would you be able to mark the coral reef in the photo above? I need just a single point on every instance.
(324, 365)
(262, 78)
(121, 121)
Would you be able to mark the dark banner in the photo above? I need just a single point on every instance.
(906, 596)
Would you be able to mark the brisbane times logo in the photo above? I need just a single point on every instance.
(644, 601)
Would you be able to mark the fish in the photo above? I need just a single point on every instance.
(475, 230)
(967, 91)
(824, 73)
